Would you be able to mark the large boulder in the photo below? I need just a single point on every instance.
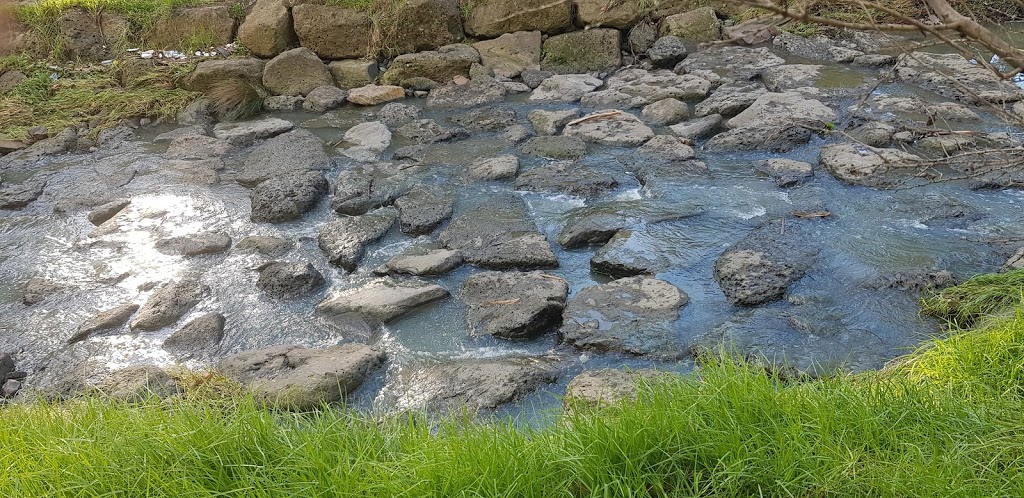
(566, 177)
(287, 197)
(296, 72)
(439, 66)
(587, 51)
(631, 315)
(602, 13)
(302, 379)
(213, 23)
(207, 73)
(285, 280)
(169, 303)
(333, 32)
(610, 128)
(953, 76)
(492, 18)
(354, 73)
(499, 235)
(293, 152)
(344, 241)
(771, 109)
(383, 300)
(869, 166)
(700, 25)
(511, 53)
(514, 305)
(760, 268)
(426, 25)
(267, 30)
(473, 385)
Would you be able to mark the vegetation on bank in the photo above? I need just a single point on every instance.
(946, 421)
(100, 96)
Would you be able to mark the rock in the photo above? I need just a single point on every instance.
(491, 118)
(344, 240)
(368, 140)
(667, 52)
(303, 379)
(88, 35)
(625, 255)
(440, 66)
(697, 128)
(868, 166)
(947, 145)
(111, 319)
(9, 146)
(751, 32)
(472, 94)
(605, 387)
(397, 114)
(375, 94)
(208, 73)
(583, 51)
(139, 383)
(511, 53)
(267, 29)
(732, 62)
(65, 141)
(618, 129)
(287, 197)
(195, 245)
(11, 79)
(499, 235)
(268, 246)
(492, 18)
(873, 60)
(101, 214)
(475, 385)
(534, 77)
(10, 388)
(665, 149)
(791, 76)
(353, 73)
(197, 147)
(631, 315)
(422, 260)
(566, 177)
(287, 280)
(382, 301)
(551, 122)
(324, 98)
(494, 168)
(198, 338)
(600, 13)
(333, 32)
(874, 134)
(771, 109)
(188, 132)
(427, 25)
(169, 303)
(199, 113)
(775, 138)
(423, 209)
(204, 172)
(637, 87)
(297, 151)
(951, 75)
(731, 99)
(515, 134)
(6, 366)
(699, 25)
(760, 268)
(369, 187)
(213, 23)
(245, 132)
(296, 72)
(642, 36)
(785, 172)
(891, 108)
(427, 131)
(915, 281)
(514, 305)
(812, 47)
(565, 88)
(37, 289)
(666, 112)
(558, 147)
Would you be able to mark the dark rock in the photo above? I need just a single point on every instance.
(302, 379)
(492, 118)
(427, 131)
(110, 319)
(626, 256)
(534, 77)
(631, 315)
(514, 305)
(785, 172)
(365, 188)
(195, 245)
(568, 178)
(245, 132)
(395, 114)
(37, 289)
(915, 281)
(293, 152)
(17, 196)
(169, 303)
(499, 235)
(667, 52)
(556, 147)
(768, 138)
(198, 338)
(287, 198)
(343, 241)
(731, 99)
(606, 387)
(760, 268)
(285, 280)
(268, 246)
(423, 209)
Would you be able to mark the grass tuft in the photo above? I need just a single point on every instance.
(980, 297)
(234, 98)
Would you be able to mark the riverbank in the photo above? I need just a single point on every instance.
(943, 421)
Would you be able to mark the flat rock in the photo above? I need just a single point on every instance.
(110, 319)
(199, 338)
(868, 166)
(344, 240)
(598, 223)
(565, 88)
(193, 147)
(396, 114)
(382, 301)
(169, 303)
(428, 131)
(639, 87)
(245, 132)
(514, 305)
(494, 168)
(288, 197)
(101, 214)
(627, 255)
(474, 385)
(19, 195)
(499, 235)
(286, 280)
(770, 109)
(303, 379)
(424, 208)
(199, 244)
(293, 152)
(472, 94)
(773, 137)
(732, 62)
(697, 128)
(566, 177)
(551, 122)
(632, 315)
(954, 77)
(324, 98)
(556, 147)
(362, 189)
(490, 118)
(610, 128)
(665, 112)
(368, 140)
(730, 99)
(785, 172)
(266, 245)
(422, 260)
(375, 94)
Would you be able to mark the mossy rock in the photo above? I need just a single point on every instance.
(583, 51)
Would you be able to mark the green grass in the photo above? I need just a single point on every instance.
(946, 421)
(978, 298)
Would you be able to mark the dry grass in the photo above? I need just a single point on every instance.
(235, 98)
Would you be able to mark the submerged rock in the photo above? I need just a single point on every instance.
(631, 315)
(101, 214)
(514, 305)
(760, 268)
(169, 303)
(785, 172)
(266, 245)
(301, 379)
(287, 197)
(558, 147)
(475, 385)
(382, 301)
(113, 318)
(198, 338)
(499, 235)
(626, 256)
(344, 241)
(195, 245)
(568, 178)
